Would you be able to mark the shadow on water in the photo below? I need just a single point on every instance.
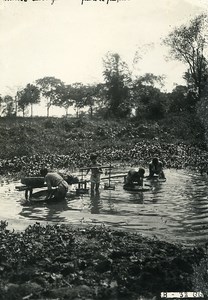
(95, 202)
(46, 211)
(176, 210)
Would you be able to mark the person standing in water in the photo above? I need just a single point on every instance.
(95, 173)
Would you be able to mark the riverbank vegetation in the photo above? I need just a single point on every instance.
(68, 142)
(56, 262)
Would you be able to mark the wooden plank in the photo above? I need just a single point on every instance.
(33, 181)
(21, 188)
(25, 187)
(82, 182)
(136, 189)
(114, 176)
(98, 167)
(156, 179)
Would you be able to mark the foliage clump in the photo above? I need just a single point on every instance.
(60, 261)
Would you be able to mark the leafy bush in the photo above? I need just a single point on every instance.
(49, 124)
(156, 110)
(66, 124)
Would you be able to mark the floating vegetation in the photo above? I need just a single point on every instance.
(65, 262)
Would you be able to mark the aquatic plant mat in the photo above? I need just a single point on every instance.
(65, 262)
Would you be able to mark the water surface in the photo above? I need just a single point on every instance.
(176, 210)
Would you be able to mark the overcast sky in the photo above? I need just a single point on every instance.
(68, 40)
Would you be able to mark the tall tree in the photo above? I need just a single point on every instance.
(48, 87)
(68, 95)
(188, 44)
(9, 106)
(92, 96)
(1, 103)
(28, 96)
(22, 101)
(78, 93)
(32, 93)
(97, 100)
(65, 97)
(181, 99)
(118, 79)
(147, 100)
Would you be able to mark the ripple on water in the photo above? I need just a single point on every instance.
(175, 210)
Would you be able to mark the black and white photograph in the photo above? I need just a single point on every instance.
(103, 149)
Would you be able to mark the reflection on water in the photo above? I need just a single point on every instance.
(95, 202)
(175, 210)
(45, 211)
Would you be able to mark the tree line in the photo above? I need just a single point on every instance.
(121, 93)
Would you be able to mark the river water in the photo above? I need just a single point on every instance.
(175, 210)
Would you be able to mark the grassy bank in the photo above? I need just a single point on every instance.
(62, 262)
(68, 143)
(39, 135)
